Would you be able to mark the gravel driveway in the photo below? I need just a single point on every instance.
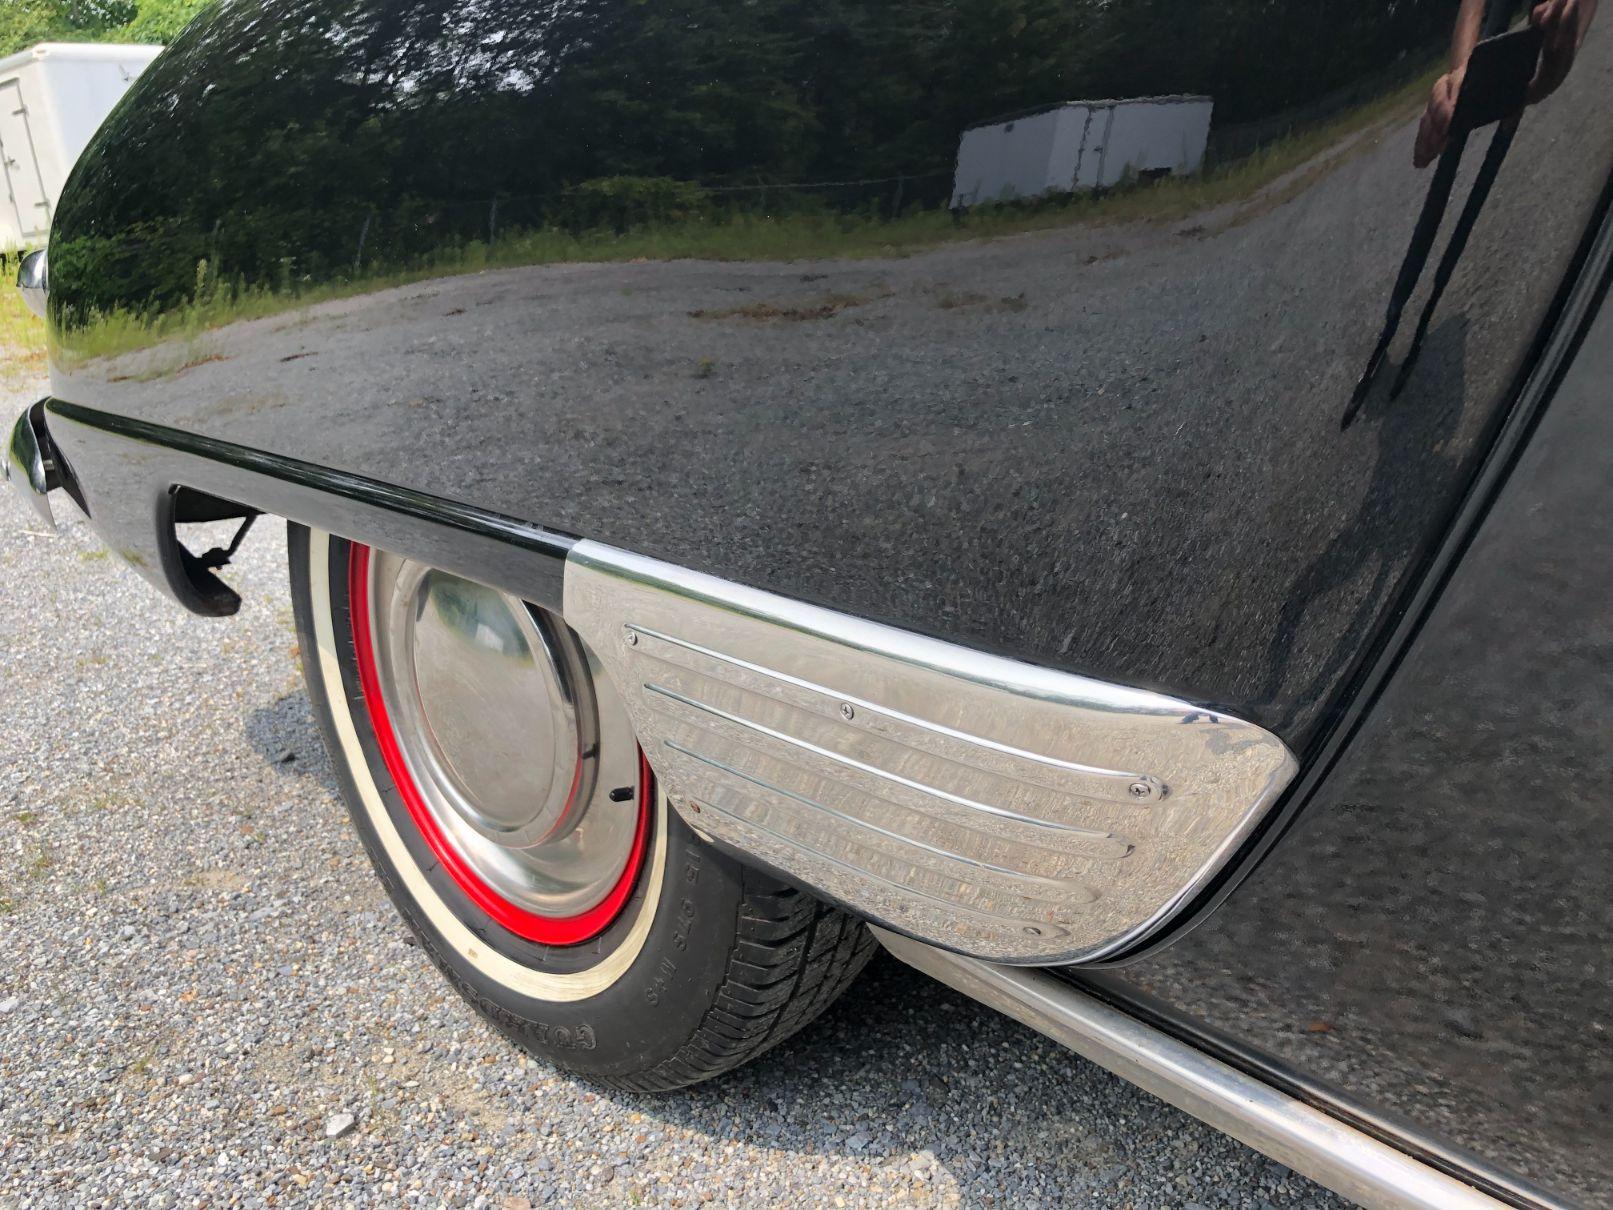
(198, 973)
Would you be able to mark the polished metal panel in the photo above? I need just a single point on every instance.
(26, 467)
(987, 805)
(1433, 935)
(33, 280)
(1324, 1148)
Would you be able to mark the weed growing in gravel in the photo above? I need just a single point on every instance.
(825, 306)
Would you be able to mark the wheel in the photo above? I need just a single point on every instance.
(494, 778)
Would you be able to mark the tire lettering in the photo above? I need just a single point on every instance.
(658, 985)
(562, 1037)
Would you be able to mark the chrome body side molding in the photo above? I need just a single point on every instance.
(1306, 1139)
(993, 807)
(127, 471)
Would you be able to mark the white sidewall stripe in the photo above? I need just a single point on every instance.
(539, 985)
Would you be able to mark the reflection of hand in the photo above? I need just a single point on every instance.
(1563, 22)
(1435, 127)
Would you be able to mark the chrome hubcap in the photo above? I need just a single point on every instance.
(520, 749)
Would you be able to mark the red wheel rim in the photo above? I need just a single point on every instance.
(545, 930)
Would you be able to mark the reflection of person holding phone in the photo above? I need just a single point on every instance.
(1495, 74)
(1562, 24)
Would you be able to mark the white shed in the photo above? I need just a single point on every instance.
(1079, 145)
(53, 98)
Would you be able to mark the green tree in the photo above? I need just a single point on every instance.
(26, 22)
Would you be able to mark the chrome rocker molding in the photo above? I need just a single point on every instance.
(992, 807)
(1316, 1144)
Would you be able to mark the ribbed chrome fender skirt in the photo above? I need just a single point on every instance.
(1003, 810)
(1308, 1140)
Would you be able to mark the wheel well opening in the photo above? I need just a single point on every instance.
(196, 583)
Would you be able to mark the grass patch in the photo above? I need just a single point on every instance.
(173, 371)
(825, 307)
(951, 300)
(22, 339)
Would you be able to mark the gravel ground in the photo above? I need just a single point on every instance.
(199, 976)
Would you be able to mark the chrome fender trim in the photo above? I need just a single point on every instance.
(1329, 1151)
(992, 807)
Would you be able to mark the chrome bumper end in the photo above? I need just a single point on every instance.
(30, 463)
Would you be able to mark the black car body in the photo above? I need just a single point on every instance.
(701, 282)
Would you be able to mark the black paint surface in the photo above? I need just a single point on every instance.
(1101, 435)
(1433, 936)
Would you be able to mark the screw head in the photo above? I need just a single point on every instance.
(1141, 789)
(847, 712)
(630, 636)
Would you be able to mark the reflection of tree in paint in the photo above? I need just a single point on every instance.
(475, 611)
(343, 136)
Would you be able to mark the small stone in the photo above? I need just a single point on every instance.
(10, 1004)
(339, 1124)
(285, 756)
(1460, 1022)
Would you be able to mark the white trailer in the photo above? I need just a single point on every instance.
(1080, 145)
(53, 98)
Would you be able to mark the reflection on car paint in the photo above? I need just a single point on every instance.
(1099, 432)
(1432, 937)
(690, 279)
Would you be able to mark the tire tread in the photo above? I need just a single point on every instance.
(792, 958)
